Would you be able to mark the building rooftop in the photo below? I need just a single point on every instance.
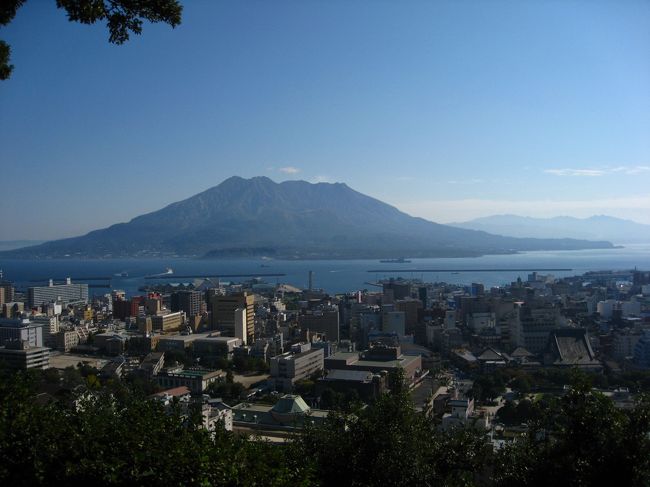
(291, 404)
(174, 392)
(349, 375)
(353, 358)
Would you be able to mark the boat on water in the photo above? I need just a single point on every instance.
(122, 274)
(168, 271)
(401, 260)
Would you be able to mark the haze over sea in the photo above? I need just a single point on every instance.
(334, 276)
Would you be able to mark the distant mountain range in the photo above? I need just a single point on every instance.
(599, 227)
(17, 244)
(293, 219)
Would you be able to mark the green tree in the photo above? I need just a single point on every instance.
(122, 17)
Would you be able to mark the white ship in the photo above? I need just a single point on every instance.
(168, 271)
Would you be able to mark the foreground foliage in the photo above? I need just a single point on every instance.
(112, 435)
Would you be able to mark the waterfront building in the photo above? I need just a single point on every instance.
(65, 294)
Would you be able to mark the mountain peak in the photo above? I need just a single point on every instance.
(292, 219)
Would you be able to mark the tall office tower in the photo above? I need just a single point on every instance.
(400, 289)
(240, 325)
(6, 292)
(188, 301)
(422, 294)
(223, 313)
(64, 293)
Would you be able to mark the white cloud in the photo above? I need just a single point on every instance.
(633, 207)
(289, 170)
(628, 170)
(631, 169)
(321, 178)
(466, 181)
(575, 172)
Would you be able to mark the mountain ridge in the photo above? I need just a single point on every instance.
(291, 219)
(596, 227)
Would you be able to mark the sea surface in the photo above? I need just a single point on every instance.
(334, 276)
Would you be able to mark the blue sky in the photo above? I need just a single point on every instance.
(447, 110)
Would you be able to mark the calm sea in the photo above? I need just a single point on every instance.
(331, 275)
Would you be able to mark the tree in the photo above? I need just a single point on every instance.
(122, 17)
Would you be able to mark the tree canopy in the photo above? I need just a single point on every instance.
(113, 435)
(122, 18)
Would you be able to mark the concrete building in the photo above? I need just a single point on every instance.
(215, 346)
(241, 325)
(50, 328)
(396, 289)
(394, 321)
(478, 322)
(324, 319)
(368, 385)
(168, 322)
(196, 380)
(152, 364)
(7, 292)
(534, 325)
(18, 354)
(463, 415)
(299, 363)
(188, 301)
(411, 309)
(13, 309)
(67, 293)
(624, 343)
(21, 329)
(179, 343)
(642, 351)
(66, 340)
(377, 359)
(223, 313)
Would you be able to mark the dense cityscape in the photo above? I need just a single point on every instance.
(325, 243)
(267, 361)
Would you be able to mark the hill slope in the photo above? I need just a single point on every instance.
(296, 219)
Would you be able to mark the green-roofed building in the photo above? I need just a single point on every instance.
(290, 413)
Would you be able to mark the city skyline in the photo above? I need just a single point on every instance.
(446, 111)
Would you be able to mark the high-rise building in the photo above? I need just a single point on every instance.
(223, 313)
(6, 292)
(188, 301)
(240, 325)
(322, 320)
(64, 293)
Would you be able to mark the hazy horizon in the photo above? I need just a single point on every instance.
(280, 181)
(448, 111)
